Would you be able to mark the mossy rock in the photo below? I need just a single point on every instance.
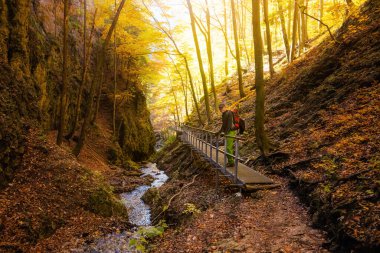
(152, 197)
(113, 156)
(103, 202)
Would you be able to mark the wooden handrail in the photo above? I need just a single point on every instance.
(214, 133)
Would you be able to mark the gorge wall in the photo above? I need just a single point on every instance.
(31, 76)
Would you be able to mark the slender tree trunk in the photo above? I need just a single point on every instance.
(193, 90)
(96, 81)
(210, 57)
(302, 27)
(290, 4)
(320, 14)
(226, 40)
(294, 35)
(261, 138)
(243, 31)
(183, 84)
(238, 63)
(86, 58)
(98, 98)
(201, 69)
(176, 106)
(306, 35)
(185, 92)
(284, 35)
(62, 117)
(299, 37)
(269, 39)
(115, 81)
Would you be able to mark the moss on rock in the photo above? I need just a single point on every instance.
(136, 135)
(102, 202)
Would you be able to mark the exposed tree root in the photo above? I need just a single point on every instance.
(166, 207)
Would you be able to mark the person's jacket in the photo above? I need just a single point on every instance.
(227, 122)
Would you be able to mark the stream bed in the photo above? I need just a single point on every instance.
(138, 211)
(138, 214)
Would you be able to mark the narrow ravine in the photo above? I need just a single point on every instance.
(138, 213)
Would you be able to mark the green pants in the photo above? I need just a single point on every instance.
(230, 146)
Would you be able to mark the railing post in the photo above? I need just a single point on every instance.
(208, 141)
(206, 144)
(211, 146)
(203, 137)
(200, 141)
(196, 140)
(236, 159)
(225, 154)
(217, 149)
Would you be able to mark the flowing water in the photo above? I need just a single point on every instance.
(138, 213)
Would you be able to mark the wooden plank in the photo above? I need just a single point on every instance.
(245, 174)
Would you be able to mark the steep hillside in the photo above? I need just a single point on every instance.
(322, 119)
(30, 81)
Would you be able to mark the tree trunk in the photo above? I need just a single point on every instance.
(243, 32)
(261, 138)
(96, 81)
(98, 96)
(210, 57)
(225, 40)
(304, 24)
(238, 63)
(193, 91)
(299, 37)
(284, 35)
(290, 3)
(200, 63)
(176, 107)
(183, 84)
(269, 39)
(185, 92)
(87, 57)
(294, 36)
(115, 82)
(320, 14)
(62, 106)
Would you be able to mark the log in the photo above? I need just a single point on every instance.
(261, 187)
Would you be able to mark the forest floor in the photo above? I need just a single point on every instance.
(210, 219)
(47, 207)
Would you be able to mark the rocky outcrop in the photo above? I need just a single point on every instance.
(136, 134)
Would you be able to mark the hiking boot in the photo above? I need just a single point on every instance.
(230, 164)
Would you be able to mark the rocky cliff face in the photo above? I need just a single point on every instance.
(136, 135)
(30, 78)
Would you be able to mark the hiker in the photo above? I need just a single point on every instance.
(228, 129)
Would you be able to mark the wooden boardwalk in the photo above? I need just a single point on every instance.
(245, 175)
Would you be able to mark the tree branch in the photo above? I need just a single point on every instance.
(303, 10)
